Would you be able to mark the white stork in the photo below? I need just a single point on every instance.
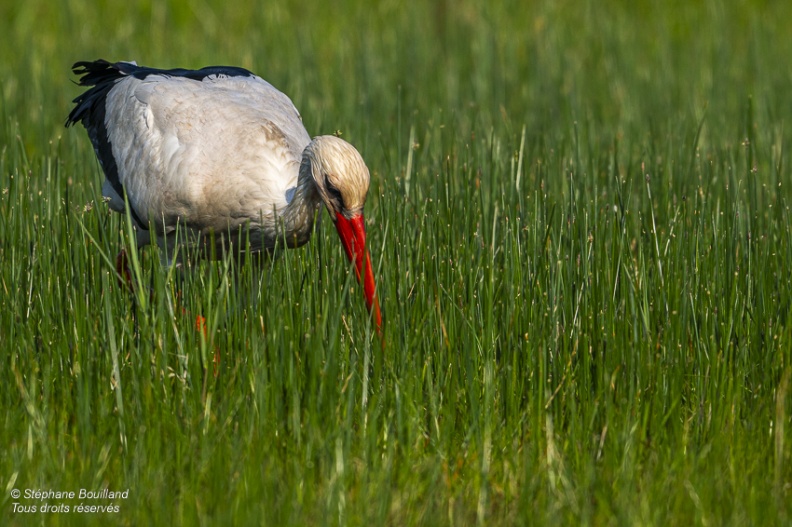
(219, 151)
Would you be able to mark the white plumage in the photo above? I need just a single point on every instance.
(221, 151)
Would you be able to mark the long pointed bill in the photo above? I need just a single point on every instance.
(353, 236)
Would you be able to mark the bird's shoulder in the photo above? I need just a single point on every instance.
(215, 89)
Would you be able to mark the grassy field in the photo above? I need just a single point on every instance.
(579, 218)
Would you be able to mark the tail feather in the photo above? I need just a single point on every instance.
(89, 109)
(100, 74)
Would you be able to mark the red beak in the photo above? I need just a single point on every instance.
(353, 235)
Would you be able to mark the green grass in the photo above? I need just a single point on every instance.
(579, 218)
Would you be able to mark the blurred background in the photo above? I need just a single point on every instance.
(625, 67)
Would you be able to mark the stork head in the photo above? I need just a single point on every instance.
(342, 181)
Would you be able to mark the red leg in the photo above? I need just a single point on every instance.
(200, 325)
(125, 275)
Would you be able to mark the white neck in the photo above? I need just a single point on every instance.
(298, 216)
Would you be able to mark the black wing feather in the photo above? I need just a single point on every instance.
(90, 110)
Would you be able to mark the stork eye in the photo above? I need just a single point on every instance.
(333, 192)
